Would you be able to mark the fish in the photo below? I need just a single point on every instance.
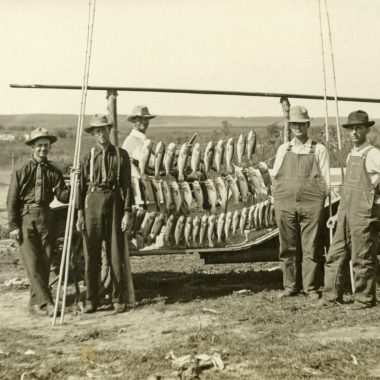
(148, 224)
(266, 213)
(157, 226)
(235, 221)
(251, 144)
(251, 220)
(145, 154)
(211, 194)
(203, 229)
(233, 188)
(256, 216)
(182, 160)
(169, 229)
(230, 149)
(210, 231)
(227, 224)
(273, 215)
(169, 158)
(132, 221)
(157, 187)
(240, 148)
(196, 227)
(262, 214)
(178, 232)
(140, 217)
(195, 158)
(185, 190)
(188, 228)
(167, 194)
(219, 154)
(158, 157)
(220, 226)
(243, 219)
(176, 194)
(208, 156)
(198, 193)
(242, 185)
(222, 191)
(257, 181)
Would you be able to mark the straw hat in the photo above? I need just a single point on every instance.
(97, 121)
(358, 118)
(298, 114)
(140, 111)
(40, 133)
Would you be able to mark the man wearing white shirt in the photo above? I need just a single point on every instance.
(301, 183)
(358, 220)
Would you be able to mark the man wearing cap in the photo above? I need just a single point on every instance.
(104, 204)
(301, 183)
(357, 220)
(32, 189)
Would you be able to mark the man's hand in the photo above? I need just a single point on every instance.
(263, 167)
(125, 222)
(15, 234)
(332, 221)
(80, 221)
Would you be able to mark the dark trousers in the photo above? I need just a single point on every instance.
(36, 251)
(300, 226)
(103, 213)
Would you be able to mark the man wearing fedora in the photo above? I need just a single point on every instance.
(358, 220)
(301, 183)
(32, 189)
(104, 204)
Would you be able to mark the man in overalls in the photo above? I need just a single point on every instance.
(104, 204)
(32, 189)
(301, 182)
(357, 220)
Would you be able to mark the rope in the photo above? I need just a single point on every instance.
(65, 260)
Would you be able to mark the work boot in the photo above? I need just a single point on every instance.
(38, 310)
(89, 308)
(119, 307)
(313, 296)
(323, 303)
(359, 306)
(288, 293)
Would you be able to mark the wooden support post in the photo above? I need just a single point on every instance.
(112, 111)
(285, 107)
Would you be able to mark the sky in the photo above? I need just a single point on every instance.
(242, 45)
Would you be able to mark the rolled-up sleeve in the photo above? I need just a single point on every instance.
(323, 158)
(279, 158)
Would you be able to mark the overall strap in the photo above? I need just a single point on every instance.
(92, 159)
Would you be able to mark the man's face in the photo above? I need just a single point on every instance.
(41, 147)
(299, 130)
(141, 124)
(102, 134)
(358, 134)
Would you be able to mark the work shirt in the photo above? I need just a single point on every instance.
(22, 189)
(133, 144)
(106, 162)
(372, 164)
(321, 156)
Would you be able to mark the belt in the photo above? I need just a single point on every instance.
(101, 189)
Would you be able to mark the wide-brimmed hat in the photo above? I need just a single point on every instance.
(358, 117)
(97, 121)
(298, 114)
(38, 134)
(140, 111)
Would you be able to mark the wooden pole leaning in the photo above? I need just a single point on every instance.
(285, 108)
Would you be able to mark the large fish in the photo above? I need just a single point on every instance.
(182, 160)
(196, 227)
(251, 144)
(203, 229)
(169, 229)
(198, 193)
(222, 191)
(230, 149)
(257, 181)
(235, 221)
(141, 216)
(211, 194)
(227, 224)
(242, 185)
(145, 155)
(251, 220)
(262, 214)
(178, 232)
(188, 227)
(195, 158)
(256, 216)
(266, 213)
(169, 158)
(211, 230)
(132, 221)
(220, 226)
(157, 187)
(243, 219)
(176, 194)
(219, 154)
(158, 157)
(234, 190)
(240, 148)
(208, 156)
(166, 192)
(184, 187)
(148, 224)
(157, 226)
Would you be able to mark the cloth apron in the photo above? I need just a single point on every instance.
(299, 196)
(356, 236)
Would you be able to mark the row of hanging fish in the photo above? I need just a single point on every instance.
(219, 157)
(199, 231)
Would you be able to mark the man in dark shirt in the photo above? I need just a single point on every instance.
(33, 187)
(104, 204)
